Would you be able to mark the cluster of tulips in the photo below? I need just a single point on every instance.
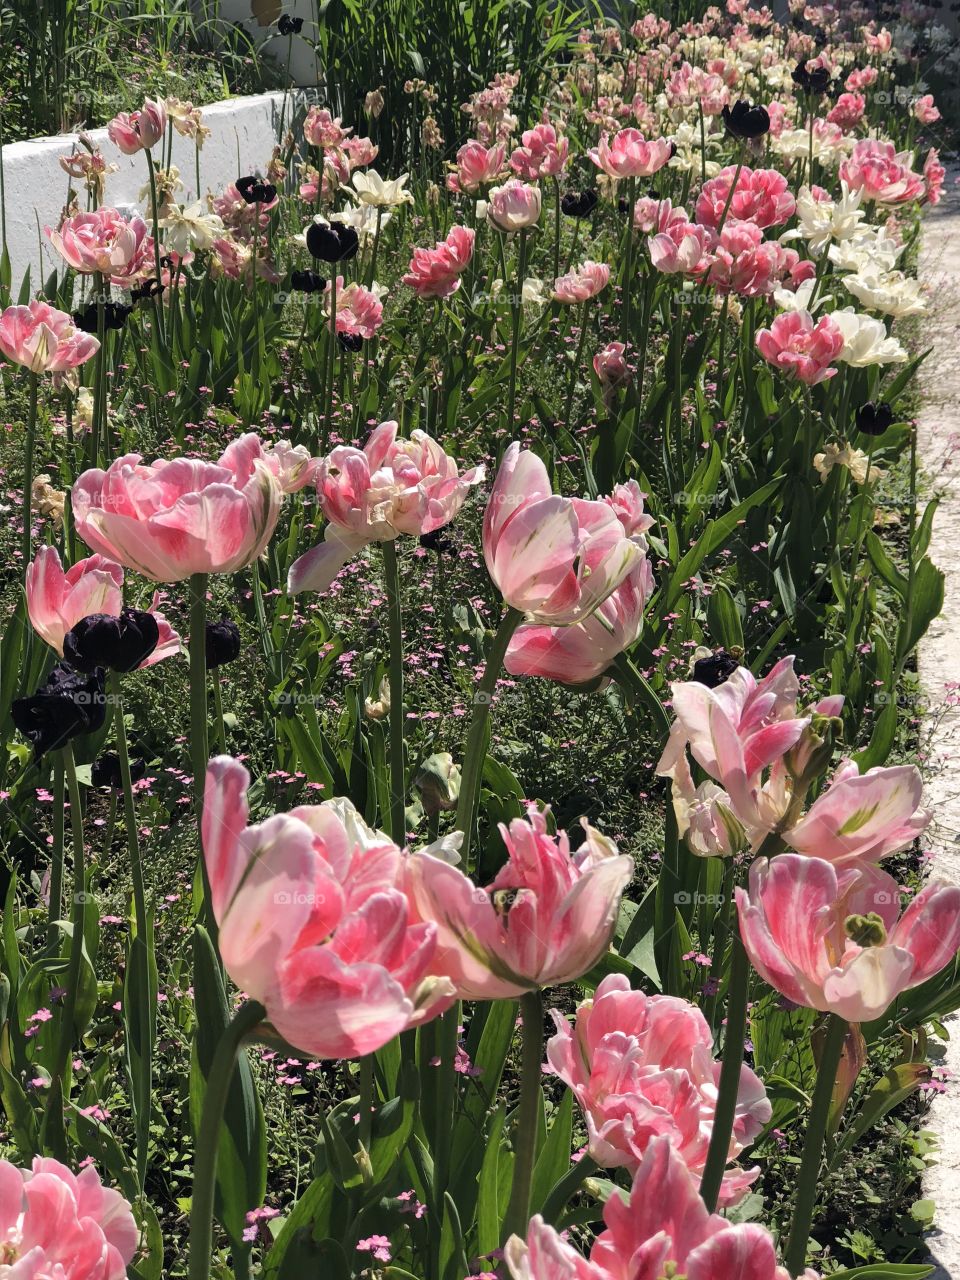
(730, 172)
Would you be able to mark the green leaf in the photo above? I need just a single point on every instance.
(488, 1199)
(927, 602)
(308, 1257)
(723, 618)
(554, 1159)
(313, 1210)
(889, 1091)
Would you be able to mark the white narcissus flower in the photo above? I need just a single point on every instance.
(382, 193)
(865, 340)
(855, 460)
(188, 228)
(891, 292)
(821, 221)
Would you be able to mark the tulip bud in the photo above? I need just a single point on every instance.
(376, 709)
(307, 282)
(118, 643)
(222, 643)
(810, 757)
(333, 241)
(744, 120)
(579, 204)
(255, 191)
(438, 781)
(873, 419)
(373, 103)
(289, 26)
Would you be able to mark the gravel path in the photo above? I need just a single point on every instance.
(939, 663)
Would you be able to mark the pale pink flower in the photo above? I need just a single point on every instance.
(359, 309)
(314, 922)
(761, 196)
(692, 86)
(66, 1226)
(640, 1066)
(861, 78)
(663, 1229)
(742, 262)
(611, 367)
(802, 347)
(514, 206)
(882, 173)
(375, 494)
(321, 129)
(581, 284)
(629, 154)
(833, 938)
(169, 520)
(138, 130)
(104, 241)
(543, 154)
(477, 166)
(546, 918)
(555, 559)
(240, 217)
(435, 273)
(925, 111)
(848, 111)
(681, 247)
(57, 601)
(43, 339)
(862, 817)
(934, 176)
(359, 151)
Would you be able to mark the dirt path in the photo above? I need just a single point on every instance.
(939, 662)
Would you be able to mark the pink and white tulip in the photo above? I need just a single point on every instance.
(629, 155)
(801, 347)
(168, 520)
(62, 1225)
(762, 196)
(833, 938)
(546, 918)
(581, 284)
(882, 173)
(43, 339)
(514, 207)
(139, 130)
(57, 601)
(663, 1229)
(104, 241)
(642, 1066)
(314, 922)
(435, 273)
(477, 166)
(555, 559)
(543, 154)
(376, 493)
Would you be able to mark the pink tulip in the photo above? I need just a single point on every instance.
(543, 154)
(435, 273)
(681, 246)
(314, 922)
(240, 217)
(555, 559)
(761, 197)
(630, 155)
(663, 1229)
(742, 262)
(862, 818)
(734, 732)
(477, 166)
(934, 176)
(359, 309)
(925, 110)
(546, 918)
(881, 173)
(294, 467)
(57, 601)
(43, 339)
(581, 284)
(104, 241)
(323, 130)
(802, 347)
(514, 206)
(582, 653)
(169, 520)
(359, 152)
(610, 366)
(834, 939)
(861, 78)
(640, 1066)
(692, 86)
(374, 494)
(140, 130)
(848, 111)
(66, 1226)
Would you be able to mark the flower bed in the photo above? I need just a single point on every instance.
(492, 587)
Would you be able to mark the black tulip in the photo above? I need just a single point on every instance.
(68, 704)
(288, 26)
(105, 771)
(815, 81)
(874, 418)
(151, 288)
(222, 643)
(117, 643)
(332, 241)
(114, 316)
(436, 540)
(715, 670)
(255, 190)
(350, 341)
(307, 282)
(744, 120)
(579, 204)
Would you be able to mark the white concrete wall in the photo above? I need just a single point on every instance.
(243, 132)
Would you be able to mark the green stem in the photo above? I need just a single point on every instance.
(516, 315)
(56, 866)
(366, 1100)
(247, 1017)
(564, 1188)
(77, 917)
(28, 451)
(528, 1118)
(628, 262)
(808, 1177)
(391, 575)
(448, 1029)
(734, 1039)
(129, 809)
(198, 687)
(475, 749)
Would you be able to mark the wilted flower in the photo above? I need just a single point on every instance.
(65, 706)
